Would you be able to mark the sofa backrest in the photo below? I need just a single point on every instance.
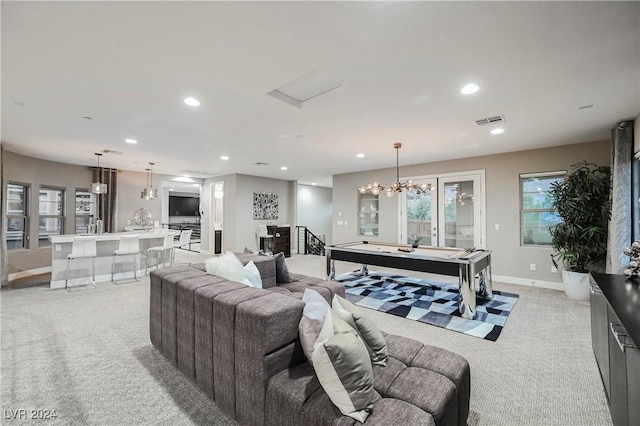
(228, 338)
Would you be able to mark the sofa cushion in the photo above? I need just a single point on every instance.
(367, 329)
(282, 272)
(343, 367)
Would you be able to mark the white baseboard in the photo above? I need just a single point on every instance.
(29, 273)
(528, 282)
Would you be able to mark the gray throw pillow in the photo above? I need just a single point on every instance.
(366, 328)
(343, 367)
(282, 272)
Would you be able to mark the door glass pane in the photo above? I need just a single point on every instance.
(459, 214)
(419, 218)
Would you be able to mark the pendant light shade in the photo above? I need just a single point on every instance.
(97, 187)
(149, 192)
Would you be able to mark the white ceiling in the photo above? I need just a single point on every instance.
(400, 66)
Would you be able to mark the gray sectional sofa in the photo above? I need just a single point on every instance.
(240, 346)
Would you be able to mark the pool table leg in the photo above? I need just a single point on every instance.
(467, 298)
(331, 267)
(486, 283)
(364, 270)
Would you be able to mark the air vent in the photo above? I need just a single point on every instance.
(260, 163)
(490, 120)
(111, 151)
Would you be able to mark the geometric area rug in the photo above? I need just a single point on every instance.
(428, 301)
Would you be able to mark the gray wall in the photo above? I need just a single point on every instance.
(35, 172)
(314, 209)
(239, 228)
(502, 172)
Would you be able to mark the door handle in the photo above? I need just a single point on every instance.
(617, 334)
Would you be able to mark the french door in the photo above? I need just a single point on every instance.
(450, 215)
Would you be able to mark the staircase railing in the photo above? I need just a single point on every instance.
(309, 242)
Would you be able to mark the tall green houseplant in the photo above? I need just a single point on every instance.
(582, 199)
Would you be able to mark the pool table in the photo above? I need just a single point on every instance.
(465, 264)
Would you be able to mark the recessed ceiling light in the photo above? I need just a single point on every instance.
(469, 89)
(283, 168)
(360, 155)
(224, 157)
(313, 183)
(207, 144)
(192, 101)
(132, 141)
(497, 131)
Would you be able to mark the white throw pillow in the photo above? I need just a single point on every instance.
(252, 274)
(226, 266)
(313, 317)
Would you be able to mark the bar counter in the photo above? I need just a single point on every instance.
(106, 243)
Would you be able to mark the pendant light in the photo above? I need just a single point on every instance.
(149, 192)
(97, 187)
(398, 186)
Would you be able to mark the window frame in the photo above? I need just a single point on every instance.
(560, 174)
(60, 217)
(24, 216)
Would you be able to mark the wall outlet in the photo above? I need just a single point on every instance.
(340, 223)
(339, 214)
(532, 267)
(346, 223)
(496, 226)
(554, 270)
(58, 247)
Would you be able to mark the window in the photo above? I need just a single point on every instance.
(17, 214)
(535, 208)
(85, 210)
(51, 214)
(368, 218)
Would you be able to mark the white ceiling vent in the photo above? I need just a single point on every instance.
(111, 151)
(490, 120)
(303, 89)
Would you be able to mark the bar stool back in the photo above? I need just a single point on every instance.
(129, 245)
(266, 240)
(82, 247)
(185, 239)
(163, 252)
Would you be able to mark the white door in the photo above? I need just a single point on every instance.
(450, 215)
(459, 211)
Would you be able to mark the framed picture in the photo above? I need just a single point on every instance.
(265, 206)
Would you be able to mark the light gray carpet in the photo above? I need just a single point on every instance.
(88, 356)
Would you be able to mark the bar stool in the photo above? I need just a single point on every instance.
(82, 248)
(129, 245)
(163, 252)
(185, 240)
(266, 240)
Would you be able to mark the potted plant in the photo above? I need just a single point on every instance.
(582, 200)
(415, 240)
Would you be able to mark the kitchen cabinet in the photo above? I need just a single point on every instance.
(184, 206)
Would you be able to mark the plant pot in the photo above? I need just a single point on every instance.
(576, 285)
